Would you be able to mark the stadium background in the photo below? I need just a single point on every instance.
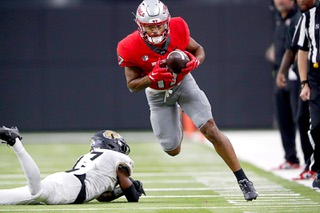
(59, 70)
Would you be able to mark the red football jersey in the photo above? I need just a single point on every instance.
(134, 52)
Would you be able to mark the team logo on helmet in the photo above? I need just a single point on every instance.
(111, 134)
(140, 11)
(165, 9)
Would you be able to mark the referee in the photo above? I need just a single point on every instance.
(308, 35)
(302, 114)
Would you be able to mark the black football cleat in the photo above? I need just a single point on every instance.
(9, 135)
(248, 190)
(316, 181)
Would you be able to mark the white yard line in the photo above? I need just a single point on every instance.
(147, 209)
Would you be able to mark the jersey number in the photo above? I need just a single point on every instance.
(161, 83)
(85, 163)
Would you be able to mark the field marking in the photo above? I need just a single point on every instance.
(140, 174)
(179, 196)
(270, 193)
(177, 189)
(222, 183)
(136, 208)
(120, 208)
(13, 182)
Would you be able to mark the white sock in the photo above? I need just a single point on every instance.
(29, 167)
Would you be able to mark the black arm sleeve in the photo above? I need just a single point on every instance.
(132, 194)
(110, 196)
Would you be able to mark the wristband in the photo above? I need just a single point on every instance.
(304, 83)
(117, 192)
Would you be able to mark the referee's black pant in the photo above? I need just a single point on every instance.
(293, 113)
(303, 121)
(314, 103)
(286, 100)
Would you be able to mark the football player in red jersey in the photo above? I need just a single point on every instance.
(143, 54)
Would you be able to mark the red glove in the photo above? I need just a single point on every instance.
(192, 64)
(160, 74)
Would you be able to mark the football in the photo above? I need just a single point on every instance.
(176, 61)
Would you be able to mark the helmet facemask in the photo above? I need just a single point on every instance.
(123, 146)
(156, 38)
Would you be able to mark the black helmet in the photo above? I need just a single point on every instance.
(108, 139)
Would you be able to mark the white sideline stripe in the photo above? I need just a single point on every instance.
(126, 209)
(106, 209)
(278, 195)
(12, 182)
(169, 181)
(179, 196)
(140, 174)
(270, 199)
(8, 176)
(213, 189)
(177, 189)
(22, 176)
(145, 181)
(183, 174)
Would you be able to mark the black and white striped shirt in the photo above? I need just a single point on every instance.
(307, 33)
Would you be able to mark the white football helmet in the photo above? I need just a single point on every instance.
(153, 12)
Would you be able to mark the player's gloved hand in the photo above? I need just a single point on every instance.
(160, 74)
(192, 64)
(138, 186)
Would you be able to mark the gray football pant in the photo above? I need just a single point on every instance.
(165, 115)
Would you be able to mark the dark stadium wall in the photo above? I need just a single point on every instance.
(59, 70)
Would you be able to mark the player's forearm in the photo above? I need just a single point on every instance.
(200, 54)
(110, 196)
(138, 84)
(303, 64)
(196, 49)
(287, 61)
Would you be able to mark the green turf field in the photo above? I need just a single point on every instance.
(195, 181)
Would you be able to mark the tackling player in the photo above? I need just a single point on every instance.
(94, 175)
(143, 54)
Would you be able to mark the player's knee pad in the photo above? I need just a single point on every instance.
(171, 143)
